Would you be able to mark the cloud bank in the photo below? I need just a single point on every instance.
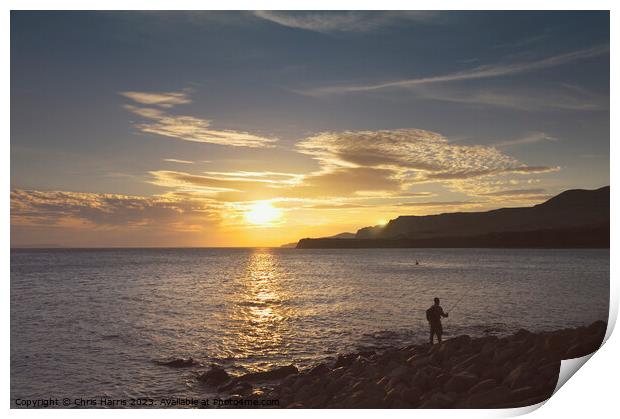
(74, 209)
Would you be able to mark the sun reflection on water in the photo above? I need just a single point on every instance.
(261, 311)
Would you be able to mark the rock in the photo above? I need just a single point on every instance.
(395, 382)
(274, 374)
(461, 382)
(483, 385)
(307, 391)
(242, 388)
(576, 351)
(391, 397)
(489, 347)
(412, 395)
(438, 401)
(336, 373)
(489, 398)
(522, 334)
(550, 370)
(178, 362)
(467, 362)
(215, 376)
(421, 381)
(419, 362)
(524, 393)
(344, 360)
(518, 377)
(289, 381)
(400, 371)
(504, 354)
(557, 343)
(440, 380)
(319, 369)
(335, 387)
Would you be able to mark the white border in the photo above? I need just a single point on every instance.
(592, 393)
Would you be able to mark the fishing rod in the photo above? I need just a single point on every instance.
(457, 302)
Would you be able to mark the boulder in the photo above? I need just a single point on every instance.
(550, 370)
(461, 382)
(178, 362)
(483, 385)
(242, 388)
(215, 376)
(438, 401)
(344, 360)
(505, 353)
(558, 343)
(518, 377)
(489, 348)
(411, 395)
(419, 361)
(421, 380)
(525, 393)
(274, 374)
(463, 365)
(319, 369)
(490, 398)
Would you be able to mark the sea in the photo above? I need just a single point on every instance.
(92, 323)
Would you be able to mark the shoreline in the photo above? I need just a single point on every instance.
(516, 370)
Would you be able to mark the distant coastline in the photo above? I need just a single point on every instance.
(572, 219)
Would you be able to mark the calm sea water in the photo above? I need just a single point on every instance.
(90, 323)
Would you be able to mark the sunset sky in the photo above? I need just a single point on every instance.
(260, 128)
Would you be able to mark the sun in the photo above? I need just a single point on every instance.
(262, 213)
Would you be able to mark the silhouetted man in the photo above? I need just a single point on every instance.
(434, 315)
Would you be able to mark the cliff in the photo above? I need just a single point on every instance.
(575, 218)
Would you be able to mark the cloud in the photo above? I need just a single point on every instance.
(342, 21)
(335, 206)
(480, 72)
(414, 155)
(532, 138)
(523, 98)
(178, 161)
(164, 100)
(360, 165)
(439, 204)
(235, 187)
(183, 127)
(73, 209)
(520, 43)
(516, 192)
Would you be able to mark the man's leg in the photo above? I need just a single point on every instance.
(439, 332)
(432, 333)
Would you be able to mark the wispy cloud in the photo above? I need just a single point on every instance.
(480, 72)
(516, 192)
(440, 204)
(342, 21)
(178, 161)
(523, 98)
(532, 138)
(183, 127)
(165, 100)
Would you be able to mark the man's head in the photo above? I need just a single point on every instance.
(436, 301)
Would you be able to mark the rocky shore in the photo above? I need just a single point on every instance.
(462, 372)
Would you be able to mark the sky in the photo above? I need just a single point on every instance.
(260, 128)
